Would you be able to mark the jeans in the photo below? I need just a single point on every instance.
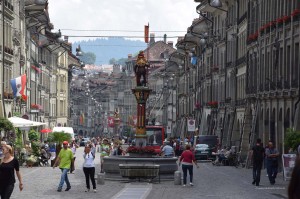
(256, 172)
(6, 191)
(272, 170)
(64, 178)
(89, 172)
(185, 168)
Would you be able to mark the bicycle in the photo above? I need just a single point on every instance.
(235, 160)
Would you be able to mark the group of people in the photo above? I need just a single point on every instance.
(65, 161)
(270, 154)
(66, 158)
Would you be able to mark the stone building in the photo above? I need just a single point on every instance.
(245, 82)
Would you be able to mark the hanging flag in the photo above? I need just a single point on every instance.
(18, 86)
(110, 122)
(36, 66)
(194, 60)
(146, 31)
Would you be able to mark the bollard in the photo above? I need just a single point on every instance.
(177, 178)
(100, 178)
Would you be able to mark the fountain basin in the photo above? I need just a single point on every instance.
(167, 165)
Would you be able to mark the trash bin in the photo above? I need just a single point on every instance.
(100, 178)
(177, 178)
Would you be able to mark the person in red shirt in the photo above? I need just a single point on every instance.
(187, 159)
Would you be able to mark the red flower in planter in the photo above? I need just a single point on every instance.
(146, 149)
(296, 12)
(197, 105)
(286, 18)
(279, 20)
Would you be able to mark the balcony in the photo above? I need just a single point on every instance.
(205, 7)
(9, 10)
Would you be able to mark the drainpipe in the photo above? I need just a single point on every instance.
(3, 66)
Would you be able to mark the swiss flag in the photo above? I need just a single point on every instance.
(110, 122)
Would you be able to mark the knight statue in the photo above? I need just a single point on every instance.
(140, 69)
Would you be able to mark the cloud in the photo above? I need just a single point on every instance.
(162, 15)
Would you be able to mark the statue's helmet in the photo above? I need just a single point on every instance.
(141, 54)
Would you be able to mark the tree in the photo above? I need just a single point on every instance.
(112, 61)
(292, 138)
(88, 58)
(58, 138)
(6, 126)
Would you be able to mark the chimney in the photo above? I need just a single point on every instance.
(165, 38)
(129, 56)
(170, 43)
(152, 38)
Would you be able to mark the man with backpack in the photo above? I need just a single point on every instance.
(258, 157)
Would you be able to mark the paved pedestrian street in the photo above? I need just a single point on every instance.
(212, 182)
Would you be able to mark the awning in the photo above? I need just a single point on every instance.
(20, 122)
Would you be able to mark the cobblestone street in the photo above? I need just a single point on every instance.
(210, 181)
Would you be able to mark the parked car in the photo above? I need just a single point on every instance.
(203, 152)
(84, 141)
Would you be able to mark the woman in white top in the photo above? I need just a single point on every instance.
(89, 167)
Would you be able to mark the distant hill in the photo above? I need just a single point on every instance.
(106, 49)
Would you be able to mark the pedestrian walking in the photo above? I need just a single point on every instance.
(272, 155)
(89, 168)
(187, 159)
(73, 147)
(258, 158)
(65, 159)
(294, 185)
(8, 166)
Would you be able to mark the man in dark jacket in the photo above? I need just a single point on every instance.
(258, 157)
(272, 162)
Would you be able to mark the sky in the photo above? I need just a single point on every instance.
(122, 17)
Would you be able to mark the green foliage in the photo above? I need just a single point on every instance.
(33, 135)
(292, 138)
(35, 146)
(5, 125)
(88, 58)
(59, 137)
(17, 114)
(18, 144)
(112, 61)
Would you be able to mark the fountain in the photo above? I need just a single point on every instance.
(167, 165)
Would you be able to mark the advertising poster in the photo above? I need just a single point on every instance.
(288, 163)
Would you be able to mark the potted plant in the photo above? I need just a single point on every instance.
(292, 139)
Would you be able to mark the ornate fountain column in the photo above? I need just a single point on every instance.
(116, 123)
(141, 93)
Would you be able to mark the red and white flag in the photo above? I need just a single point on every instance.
(110, 122)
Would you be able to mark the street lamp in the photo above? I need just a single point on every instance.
(216, 3)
